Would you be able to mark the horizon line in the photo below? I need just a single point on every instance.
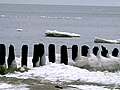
(59, 4)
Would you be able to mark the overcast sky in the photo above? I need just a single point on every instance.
(65, 2)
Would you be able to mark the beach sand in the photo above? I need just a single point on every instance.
(34, 84)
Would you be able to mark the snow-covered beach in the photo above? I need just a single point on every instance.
(73, 74)
(27, 24)
(59, 74)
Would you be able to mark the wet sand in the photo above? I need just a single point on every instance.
(35, 84)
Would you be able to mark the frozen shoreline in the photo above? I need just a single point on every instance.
(56, 73)
(65, 73)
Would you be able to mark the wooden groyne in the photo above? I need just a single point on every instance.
(39, 59)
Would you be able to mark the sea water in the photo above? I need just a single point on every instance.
(34, 20)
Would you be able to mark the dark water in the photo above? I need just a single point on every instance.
(88, 21)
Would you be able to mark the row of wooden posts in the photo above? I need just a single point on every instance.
(38, 54)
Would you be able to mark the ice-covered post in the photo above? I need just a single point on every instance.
(95, 50)
(2, 54)
(74, 52)
(115, 52)
(104, 51)
(35, 56)
(2, 59)
(84, 50)
(64, 54)
(24, 55)
(11, 58)
(41, 54)
(51, 53)
(38, 55)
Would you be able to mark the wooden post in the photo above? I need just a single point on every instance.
(2, 54)
(51, 53)
(11, 57)
(35, 55)
(95, 50)
(38, 55)
(74, 52)
(84, 50)
(115, 52)
(3, 69)
(41, 54)
(64, 55)
(104, 51)
(24, 55)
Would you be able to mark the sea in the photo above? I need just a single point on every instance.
(34, 20)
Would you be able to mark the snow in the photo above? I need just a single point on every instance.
(5, 86)
(65, 73)
(56, 33)
(19, 29)
(60, 73)
(102, 40)
(92, 62)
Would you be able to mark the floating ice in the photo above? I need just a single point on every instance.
(19, 29)
(102, 40)
(55, 33)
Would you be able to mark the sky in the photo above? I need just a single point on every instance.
(65, 2)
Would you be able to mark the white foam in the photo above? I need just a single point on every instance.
(60, 17)
(78, 18)
(2, 16)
